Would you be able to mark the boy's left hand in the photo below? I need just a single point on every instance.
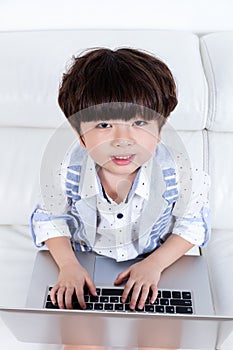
(143, 277)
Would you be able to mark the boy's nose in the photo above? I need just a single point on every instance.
(122, 142)
(122, 136)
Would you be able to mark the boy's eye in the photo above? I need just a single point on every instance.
(139, 122)
(103, 125)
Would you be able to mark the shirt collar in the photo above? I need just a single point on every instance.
(141, 185)
(91, 185)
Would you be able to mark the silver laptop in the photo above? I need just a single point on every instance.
(199, 329)
(189, 274)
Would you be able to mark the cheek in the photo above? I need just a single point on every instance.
(98, 145)
(149, 146)
(99, 152)
(152, 146)
(147, 150)
(92, 141)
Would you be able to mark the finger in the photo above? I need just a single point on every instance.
(53, 294)
(80, 296)
(127, 290)
(154, 291)
(68, 297)
(122, 276)
(135, 295)
(60, 297)
(91, 286)
(144, 294)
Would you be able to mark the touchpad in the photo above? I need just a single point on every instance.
(106, 270)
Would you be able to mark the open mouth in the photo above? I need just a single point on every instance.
(123, 159)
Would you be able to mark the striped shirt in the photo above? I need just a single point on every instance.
(163, 200)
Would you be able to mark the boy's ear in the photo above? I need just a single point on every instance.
(161, 129)
(80, 138)
(82, 142)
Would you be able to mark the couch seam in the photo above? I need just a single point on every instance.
(209, 74)
(205, 107)
(206, 149)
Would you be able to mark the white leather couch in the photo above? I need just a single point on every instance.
(31, 66)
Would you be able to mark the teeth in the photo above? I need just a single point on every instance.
(122, 157)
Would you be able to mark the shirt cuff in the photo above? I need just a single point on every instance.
(194, 230)
(50, 229)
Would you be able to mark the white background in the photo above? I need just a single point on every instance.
(200, 16)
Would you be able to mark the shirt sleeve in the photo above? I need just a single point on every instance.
(44, 226)
(191, 211)
(52, 216)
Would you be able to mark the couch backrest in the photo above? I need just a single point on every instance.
(31, 66)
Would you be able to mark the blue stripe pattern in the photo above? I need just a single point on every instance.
(72, 182)
(171, 195)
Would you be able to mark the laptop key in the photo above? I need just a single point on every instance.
(184, 310)
(149, 308)
(98, 306)
(86, 298)
(108, 307)
(112, 291)
(139, 310)
(176, 295)
(166, 294)
(181, 302)
(50, 305)
(127, 307)
(94, 299)
(164, 301)
(86, 290)
(114, 300)
(119, 307)
(128, 299)
(186, 295)
(104, 299)
(76, 306)
(89, 306)
(170, 309)
(159, 309)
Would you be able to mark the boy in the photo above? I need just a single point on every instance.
(123, 188)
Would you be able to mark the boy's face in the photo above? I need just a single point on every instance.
(120, 147)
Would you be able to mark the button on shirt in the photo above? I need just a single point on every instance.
(117, 224)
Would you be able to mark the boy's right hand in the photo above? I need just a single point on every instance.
(72, 279)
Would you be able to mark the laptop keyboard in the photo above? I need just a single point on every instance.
(109, 299)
